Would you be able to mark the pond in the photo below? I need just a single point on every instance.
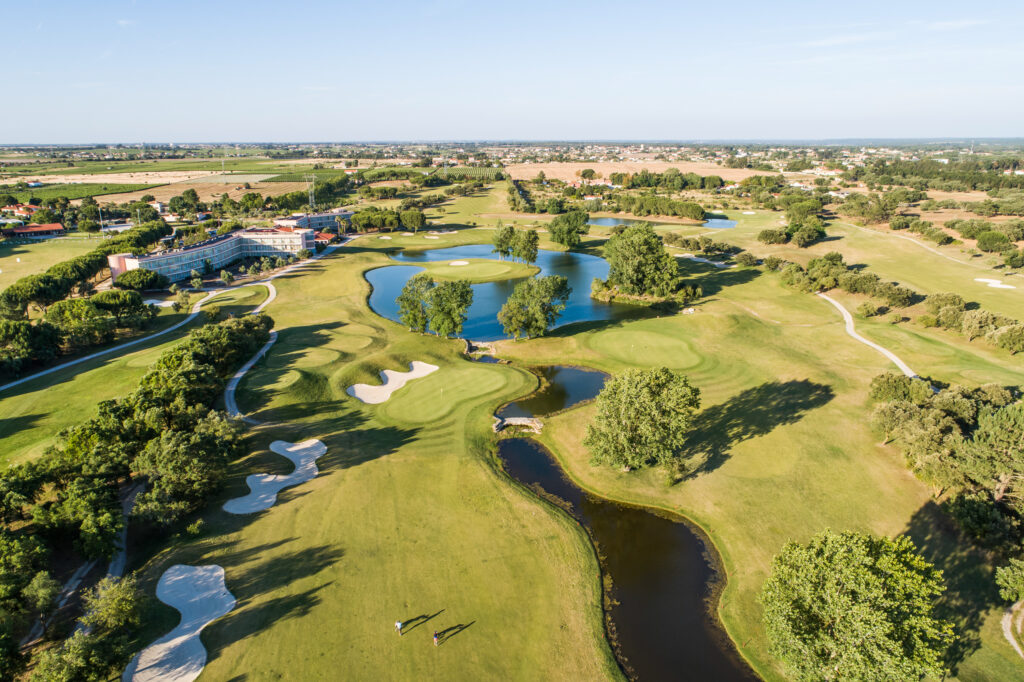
(488, 297)
(712, 222)
(661, 575)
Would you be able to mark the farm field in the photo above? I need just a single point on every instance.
(566, 172)
(209, 190)
(34, 412)
(40, 255)
(74, 191)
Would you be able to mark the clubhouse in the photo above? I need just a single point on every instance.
(45, 230)
(219, 251)
(321, 222)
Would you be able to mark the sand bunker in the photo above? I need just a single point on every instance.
(393, 381)
(200, 594)
(264, 487)
(994, 283)
(431, 236)
(383, 237)
(750, 213)
(459, 262)
(407, 234)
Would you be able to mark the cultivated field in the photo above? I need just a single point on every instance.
(209, 191)
(567, 172)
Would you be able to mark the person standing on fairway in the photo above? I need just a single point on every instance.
(398, 627)
(435, 637)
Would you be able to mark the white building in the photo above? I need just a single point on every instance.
(220, 251)
(318, 222)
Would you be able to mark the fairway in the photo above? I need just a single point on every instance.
(39, 255)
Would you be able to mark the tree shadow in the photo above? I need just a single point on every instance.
(713, 280)
(970, 586)
(754, 412)
(12, 425)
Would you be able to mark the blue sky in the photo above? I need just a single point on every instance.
(219, 70)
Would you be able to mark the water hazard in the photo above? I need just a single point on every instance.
(660, 573)
(488, 297)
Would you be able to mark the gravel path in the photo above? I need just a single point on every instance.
(848, 318)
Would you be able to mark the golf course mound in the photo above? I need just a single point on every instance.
(393, 380)
(201, 596)
(264, 487)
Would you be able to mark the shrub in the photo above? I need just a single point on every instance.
(1014, 259)
(141, 280)
(928, 321)
(773, 236)
(867, 309)
(993, 241)
(804, 237)
(304, 254)
(772, 263)
(746, 259)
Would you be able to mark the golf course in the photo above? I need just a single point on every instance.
(411, 518)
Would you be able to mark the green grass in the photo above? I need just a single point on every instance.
(406, 517)
(75, 191)
(39, 255)
(300, 176)
(31, 414)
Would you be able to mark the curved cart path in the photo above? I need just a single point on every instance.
(229, 393)
(201, 596)
(848, 318)
(265, 487)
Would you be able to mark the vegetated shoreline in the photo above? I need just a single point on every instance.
(709, 550)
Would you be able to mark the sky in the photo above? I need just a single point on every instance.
(255, 71)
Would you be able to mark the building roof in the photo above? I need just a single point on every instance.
(37, 229)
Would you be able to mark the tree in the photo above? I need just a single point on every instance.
(852, 606)
(226, 277)
(993, 457)
(41, 593)
(638, 263)
(114, 604)
(642, 418)
(1010, 580)
(197, 283)
(87, 225)
(504, 237)
(127, 307)
(414, 302)
(413, 219)
(448, 307)
(80, 322)
(140, 279)
(567, 228)
(993, 241)
(303, 254)
(534, 306)
(588, 174)
(525, 245)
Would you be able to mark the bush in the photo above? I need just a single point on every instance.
(993, 241)
(746, 259)
(1010, 580)
(928, 321)
(1014, 259)
(804, 237)
(867, 309)
(773, 236)
(304, 254)
(141, 280)
(772, 263)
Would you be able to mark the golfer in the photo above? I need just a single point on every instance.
(435, 637)
(398, 627)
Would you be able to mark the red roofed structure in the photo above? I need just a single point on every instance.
(46, 230)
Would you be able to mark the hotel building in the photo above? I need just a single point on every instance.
(220, 251)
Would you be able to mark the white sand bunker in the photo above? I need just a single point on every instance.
(407, 234)
(264, 487)
(459, 262)
(431, 236)
(383, 237)
(158, 303)
(750, 213)
(393, 381)
(200, 594)
(994, 283)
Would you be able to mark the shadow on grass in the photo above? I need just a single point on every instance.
(970, 586)
(259, 578)
(754, 412)
(713, 280)
(445, 635)
(12, 425)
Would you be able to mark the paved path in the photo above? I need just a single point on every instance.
(229, 393)
(848, 318)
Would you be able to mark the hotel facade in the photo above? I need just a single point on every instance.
(220, 251)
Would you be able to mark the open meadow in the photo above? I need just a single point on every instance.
(31, 258)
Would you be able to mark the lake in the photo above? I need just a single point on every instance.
(715, 223)
(488, 297)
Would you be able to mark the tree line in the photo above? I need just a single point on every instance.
(166, 433)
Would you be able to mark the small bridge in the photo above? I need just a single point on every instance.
(525, 423)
